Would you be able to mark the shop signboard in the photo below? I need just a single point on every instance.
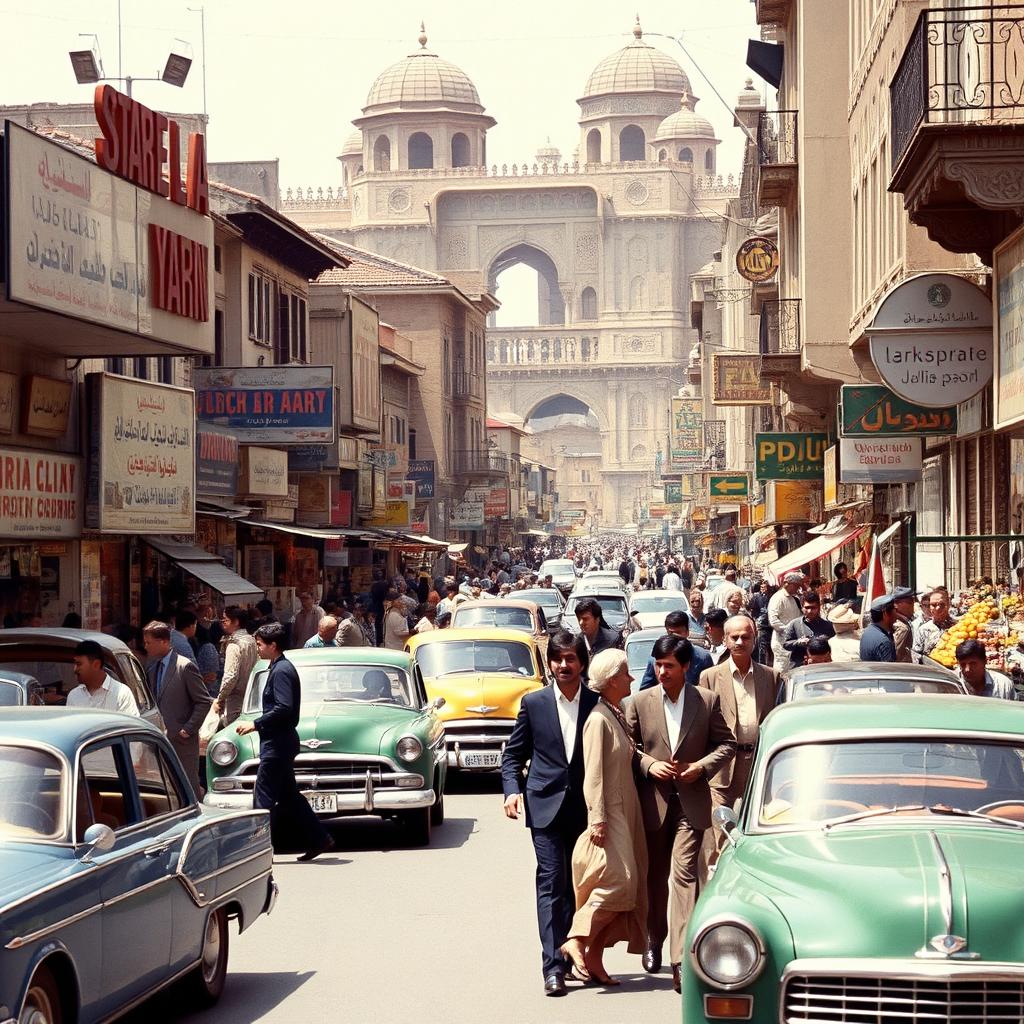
(46, 407)
(8, 401)
(396, 514)
(40, 494)
(873, 410)
(571, 515)
(422, 472)
(757, 259)
(102, 244)
(687, 435)
(282, 510)
(496, 503)
(467, 515)
(673, 492)
(790, 456)
(736, 380)
(793, 501)
(728, 485)
(216, 462)
(879, 460)
(314, 507)
(263, 472)
(1008, 391)
(141, 469)
(268, 404)
(931, 339)
(314, 458)
(831, 481)
(354, 337)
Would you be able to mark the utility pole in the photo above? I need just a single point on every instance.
(201, 11)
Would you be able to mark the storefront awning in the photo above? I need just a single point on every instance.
(822, 544)
(218, 507)
(409, 539)
(330, 533)
(207, 568)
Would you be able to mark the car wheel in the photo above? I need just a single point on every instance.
(42, 1001)
(417, 824)
(437, 811)
(203, 987)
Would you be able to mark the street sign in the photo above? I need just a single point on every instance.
(790, 456)
(728, 485)
(872, 410)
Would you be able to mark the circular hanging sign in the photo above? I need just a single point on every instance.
(757, 259)
(931, 339)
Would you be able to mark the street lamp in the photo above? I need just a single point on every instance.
(88, 67)
(86, 63)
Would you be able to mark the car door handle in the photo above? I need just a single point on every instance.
(155, 851)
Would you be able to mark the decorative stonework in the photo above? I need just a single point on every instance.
(457, 250)
(997, 186)
(586, 251)
(637, 192)
(399, 200)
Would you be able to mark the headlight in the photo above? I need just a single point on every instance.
(729, 954)
(222, 753)
(409, 748)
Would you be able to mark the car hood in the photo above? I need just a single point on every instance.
(27, 867)
(341, 727)
(649, 620)
(466, 694)
(879, 892)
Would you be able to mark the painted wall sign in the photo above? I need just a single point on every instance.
(931, 339)
(736, 380)
(757, 259)
(1008, 390)
(879, 461)
(873, 410)
(216, 462)
(8, 402)
(422, 471)
(40, 494)
(790, 456)
(268, 404)
(46, 406)
(263, 472)
(792, 501)
(687, 435)
(467, 515)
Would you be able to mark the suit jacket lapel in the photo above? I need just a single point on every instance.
(689, 699)
(727, 694)
(554, 720)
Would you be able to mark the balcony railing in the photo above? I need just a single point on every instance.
(481, 461)
(776, 137)
(780, 327)
(466, 385)
(519, 348)
(959, 67)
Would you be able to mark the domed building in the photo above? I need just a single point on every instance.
(352, 157)
(423, 113)
(687, 137)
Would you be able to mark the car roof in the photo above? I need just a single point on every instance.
(617, 595)
(644, 634)
(891, 714)
(506, 601)
(349, 656)
(874, 669)
(433, 636)
(66, 728)
(62, 637)
(661, 593)
(553, 591)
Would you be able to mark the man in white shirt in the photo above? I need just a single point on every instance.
(783, 608)
(672, 580)
(98, 689)
(306, 621)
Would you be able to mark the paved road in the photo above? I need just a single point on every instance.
(380, 933)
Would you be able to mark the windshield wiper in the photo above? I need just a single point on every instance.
(960, 812)
(860, 815)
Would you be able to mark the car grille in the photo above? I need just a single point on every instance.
(337, 776)
(828, 999)
(476, 733)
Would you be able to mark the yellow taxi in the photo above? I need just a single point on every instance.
(482, 673)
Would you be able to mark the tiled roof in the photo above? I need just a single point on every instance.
(371, 271)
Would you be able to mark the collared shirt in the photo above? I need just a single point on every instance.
(746, 703)
(928, 634)
(160, 668)
(671, 581)
(568, 717)
(998, 685)
(673, 717)
(111, 696)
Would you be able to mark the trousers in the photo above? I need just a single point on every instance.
(556, 901)
(293, 824)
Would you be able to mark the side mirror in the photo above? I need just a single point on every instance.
(97, 838)
(436, 704)
(725, 818)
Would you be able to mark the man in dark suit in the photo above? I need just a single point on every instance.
(678, 624)
(275, 789)
(181, 695)
(547, 736)
(684, 742)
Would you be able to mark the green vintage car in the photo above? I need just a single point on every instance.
(370, 742)
(875, 870)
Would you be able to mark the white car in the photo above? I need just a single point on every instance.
(599, 579)
(650, 607)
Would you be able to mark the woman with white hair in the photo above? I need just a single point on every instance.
(609, 863)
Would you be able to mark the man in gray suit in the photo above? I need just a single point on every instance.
(181, 696)
(684, 742)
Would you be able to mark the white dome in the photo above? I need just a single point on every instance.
(685, 124)
(353, 145)
(638, 67)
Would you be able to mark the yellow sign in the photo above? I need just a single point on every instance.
(757, 259)
(736, 380)
(397, 514)
(757, 515)
(793, 501)
(831, 478)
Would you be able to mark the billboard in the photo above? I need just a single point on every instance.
(790, 456)
(686, 438)
(736, 380)
(40, 494)
(422, 472)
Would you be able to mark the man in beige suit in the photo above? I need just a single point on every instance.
(684, 742)
(747, 692)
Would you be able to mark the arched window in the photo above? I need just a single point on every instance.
(460, 150)
(638, 411)
(632, 144)
(593, 146)
(382, 154)
(637, 294)
(662, 155)
(588, 304)
(686, 155)
(359, 170)
(709, 159)
(421, 151)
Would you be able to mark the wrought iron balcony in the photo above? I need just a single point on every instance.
(481, 462)
(957, 125)
(466, 385)
(780, 327)
(777, 157)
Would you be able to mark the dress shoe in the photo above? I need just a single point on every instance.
(651, 960)
(675, 978)
(554, 985)
(316, 851)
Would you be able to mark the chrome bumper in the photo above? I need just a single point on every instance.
(272, 894)
(358, 802)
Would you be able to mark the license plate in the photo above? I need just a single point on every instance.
(488, 759)
(323, 803)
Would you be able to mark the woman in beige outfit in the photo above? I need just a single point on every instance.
(609, 863)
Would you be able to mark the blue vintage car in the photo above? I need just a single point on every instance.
(114, 882)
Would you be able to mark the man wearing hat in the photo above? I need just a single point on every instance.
(783, 608)
(845, 621)
(877, 644)
(902, 630)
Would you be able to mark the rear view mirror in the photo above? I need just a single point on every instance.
(97, 838)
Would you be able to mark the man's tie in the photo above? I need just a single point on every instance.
(158, 678)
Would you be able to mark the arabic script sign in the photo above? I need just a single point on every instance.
(687, 436)
(1008, 393)
(736, 380)
(872, 410)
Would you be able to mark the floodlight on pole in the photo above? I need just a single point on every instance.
(86, 64)
(88, 67)
(179, 60)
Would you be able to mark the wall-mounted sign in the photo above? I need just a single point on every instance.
(879, 461)
(263, 472)
(8, 402)
(729, 485)
(931, 339)
(467, 515)
(789, 456)
(792, 501)
(46, 406)
(757, 259)
(736, 380)
(40, 494)
(314, 499)
(686, 454)
(141, 456)
(1008, 390)
(216, 462)
(268, 404)
(396, 513)
(674, 493)
(873, 410)
(422, 471)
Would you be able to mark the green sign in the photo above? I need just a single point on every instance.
(790, 456)
(872, 410)
(729, 485)
(673, 493)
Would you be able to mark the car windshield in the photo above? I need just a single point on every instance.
(31, 793)
(661, 604)
(815, 783)
(343, 683)
(871, 684)
(614, 608)
(450, 657)
(638, 653)
(545, 598)
(494, 615)
(557, 569)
